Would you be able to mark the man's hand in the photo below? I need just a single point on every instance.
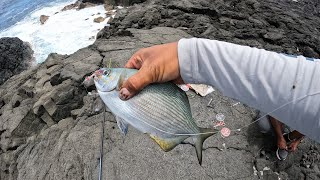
(282, 144)
(156, 64)
(293, 146)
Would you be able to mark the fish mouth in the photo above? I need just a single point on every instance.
(94, 75)
(96, 78)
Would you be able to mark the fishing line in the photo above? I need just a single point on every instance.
(298, 99)
(239, 129)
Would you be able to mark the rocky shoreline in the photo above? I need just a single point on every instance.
(15, 57)
(49, 128)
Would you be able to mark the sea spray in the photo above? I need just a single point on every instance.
(64, 32)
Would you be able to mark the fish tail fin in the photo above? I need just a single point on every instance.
(199, 139)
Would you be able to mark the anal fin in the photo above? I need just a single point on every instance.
(167, 144)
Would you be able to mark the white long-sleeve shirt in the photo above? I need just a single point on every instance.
(261, 79)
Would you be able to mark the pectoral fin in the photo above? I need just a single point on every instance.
(168, 144)
(122, 124)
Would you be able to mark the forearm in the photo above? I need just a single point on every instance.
(241, 72)
(262, 79)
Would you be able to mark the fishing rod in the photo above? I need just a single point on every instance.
(97, 109)
(101, 144)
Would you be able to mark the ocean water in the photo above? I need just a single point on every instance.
(64, 32)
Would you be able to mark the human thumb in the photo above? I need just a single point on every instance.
(134, 84)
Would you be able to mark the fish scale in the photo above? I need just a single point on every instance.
(179, 114)
(171, 107)
(160, 110)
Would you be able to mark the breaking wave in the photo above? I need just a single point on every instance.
(64, 32)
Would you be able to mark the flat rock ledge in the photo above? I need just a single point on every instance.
(49, 128)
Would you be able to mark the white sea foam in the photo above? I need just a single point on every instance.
(63, 33)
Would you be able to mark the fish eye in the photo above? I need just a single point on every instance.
(107, 72)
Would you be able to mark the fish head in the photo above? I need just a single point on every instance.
(107, 79)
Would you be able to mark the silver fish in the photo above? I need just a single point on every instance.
(160, 110)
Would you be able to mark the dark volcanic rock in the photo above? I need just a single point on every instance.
(108, 4)
(79, 5)
(50, 128)
(98, 19)
(71, 6)
(43, 18)
(50, 125)
(114, 2)
(282, 26)
(94, 1)
(15, 56)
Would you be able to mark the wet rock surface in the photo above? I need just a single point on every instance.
(50, 126)
(108, 4)
(98, 19)
(43, 18)
(15, 56)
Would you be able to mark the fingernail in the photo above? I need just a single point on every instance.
(124, 94)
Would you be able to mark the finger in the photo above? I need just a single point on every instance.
(135, 62)
(134, 84)
(291, 147)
